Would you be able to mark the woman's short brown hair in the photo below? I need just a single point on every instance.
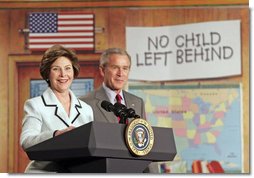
(52, 54)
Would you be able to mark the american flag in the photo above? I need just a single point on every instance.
(72, 30)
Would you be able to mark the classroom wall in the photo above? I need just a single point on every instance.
(113, 18)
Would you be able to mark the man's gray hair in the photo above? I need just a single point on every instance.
(105, 56)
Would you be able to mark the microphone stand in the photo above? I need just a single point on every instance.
(123, 120)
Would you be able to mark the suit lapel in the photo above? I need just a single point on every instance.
(100, 95)
(50, 101)
(128, 101)
(75, 107)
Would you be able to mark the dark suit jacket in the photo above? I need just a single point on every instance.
(95, 98)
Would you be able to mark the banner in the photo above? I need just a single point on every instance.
(184, 52)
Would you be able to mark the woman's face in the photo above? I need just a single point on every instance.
(61, 74)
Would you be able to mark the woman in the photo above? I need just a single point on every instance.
(57, 110)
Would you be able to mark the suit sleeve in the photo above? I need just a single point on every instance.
(31, 126)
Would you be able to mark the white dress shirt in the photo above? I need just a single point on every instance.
(112, 95)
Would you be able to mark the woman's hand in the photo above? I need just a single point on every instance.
(59, 132)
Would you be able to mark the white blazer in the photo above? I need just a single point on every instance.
(45, 114)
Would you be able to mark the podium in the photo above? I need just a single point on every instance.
(99, 147)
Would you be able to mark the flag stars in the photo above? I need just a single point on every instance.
(43, 22)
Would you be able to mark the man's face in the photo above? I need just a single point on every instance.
(116, 72)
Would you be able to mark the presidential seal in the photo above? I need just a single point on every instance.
(139, 137)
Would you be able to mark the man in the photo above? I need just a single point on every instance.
(114, 67)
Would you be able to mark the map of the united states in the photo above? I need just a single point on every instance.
(206, 121)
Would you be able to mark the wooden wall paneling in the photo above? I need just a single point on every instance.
(4, 49)
(245, 79)
(117, 18)
(101, 42)
(13, 114)
(132, 18)
(17, 39)
(92, 62)
(25, 71)
(116, 3)
(160, 17)
(147, 17)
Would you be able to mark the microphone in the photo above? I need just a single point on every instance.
(120, 106)
(118, 109)
(107, 106)
(131, 113)
(128, 112)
